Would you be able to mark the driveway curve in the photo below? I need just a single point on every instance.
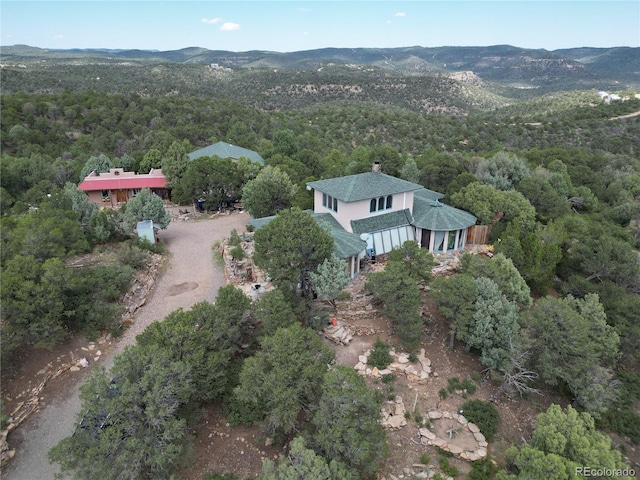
(189, 277)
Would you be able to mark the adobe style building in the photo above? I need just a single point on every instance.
(117, 186)
(373, 213)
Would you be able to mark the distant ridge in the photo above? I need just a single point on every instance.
(491, 62)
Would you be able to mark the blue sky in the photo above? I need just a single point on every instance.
(286, 26)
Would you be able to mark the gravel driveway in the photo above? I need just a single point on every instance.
(189, 277)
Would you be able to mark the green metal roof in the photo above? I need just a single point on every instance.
(431, 214)
(226, 150)
(345, 244)
(363, 186)
(382, 222)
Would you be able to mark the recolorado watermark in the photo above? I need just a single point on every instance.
(605, 472)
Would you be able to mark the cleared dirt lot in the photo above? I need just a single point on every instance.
(189, 276)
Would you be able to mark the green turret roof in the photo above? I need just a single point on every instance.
(226, 150)
(363, 186)
(431, 214)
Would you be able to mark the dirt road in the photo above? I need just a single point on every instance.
(189, 277)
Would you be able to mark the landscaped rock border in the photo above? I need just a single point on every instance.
(417, 372)
(427, 437)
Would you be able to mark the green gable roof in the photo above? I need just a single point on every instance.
(382, 222)
(430, 214)
(363, 186)
(226, 150)
(345, 244)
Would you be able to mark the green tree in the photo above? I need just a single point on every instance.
(284, 377)
(273, 311)
(214, 180)
(205, 339)
(175, 162)
(455, 297)
(302, 463)
(129, 424)
(503, 272)
(270, 192)
(32, 302)
(502, 171)
(100, 164)
(487, 202)
(545, 199)
(572, 344)
(494, 324)
(152, 159)
(329, 279)
(400, 296)
(418, 262)
(533, 252)
(81, 205)
(145, 206)
(562, 442)
(348, 422)
(290, 247)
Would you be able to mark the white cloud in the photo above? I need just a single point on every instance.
(229, 27)
(58, 37)
(211, 21)
(389, 22)
(400, 14)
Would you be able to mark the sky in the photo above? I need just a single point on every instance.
(287, 26)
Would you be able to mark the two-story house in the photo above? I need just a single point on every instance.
(372, 213)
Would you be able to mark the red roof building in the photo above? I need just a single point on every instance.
(117, 186)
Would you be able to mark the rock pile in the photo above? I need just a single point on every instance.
(393, 414)
(417, 372)
(474, 446)
(339, 333)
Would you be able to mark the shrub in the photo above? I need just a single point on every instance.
(237, 253)
(453, 384)
(469, 386)
(484, 414)
(425, 459)
(443, 393)
(413, 358)
(133, 256)
(380, 356)
(388, 378)
(482, 470)
(234, 238)
(447, 468)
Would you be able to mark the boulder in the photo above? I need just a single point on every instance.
(396, 421)
(473, 428)
(479, 437)
(426, 433)
(435, 414)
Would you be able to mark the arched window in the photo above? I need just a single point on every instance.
(389, 201)
(381, 203)
(372, 205)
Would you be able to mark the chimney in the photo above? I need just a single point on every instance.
(376, 167)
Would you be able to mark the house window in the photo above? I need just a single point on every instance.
(372, 205)
(389, 201)
(381, 203)
(135, 191)
(105, 193)
(335, 204)
(451, 243)
(324, 199)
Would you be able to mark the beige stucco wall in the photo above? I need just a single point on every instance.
(356, 210)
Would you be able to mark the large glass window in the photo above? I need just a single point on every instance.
(335, 204)
(389, 201)
(372, 205)
(324, 199)
(451, 243)
(381, 203)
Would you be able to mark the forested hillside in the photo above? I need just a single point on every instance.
(555, 174)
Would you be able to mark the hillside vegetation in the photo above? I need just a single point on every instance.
(519, 138)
